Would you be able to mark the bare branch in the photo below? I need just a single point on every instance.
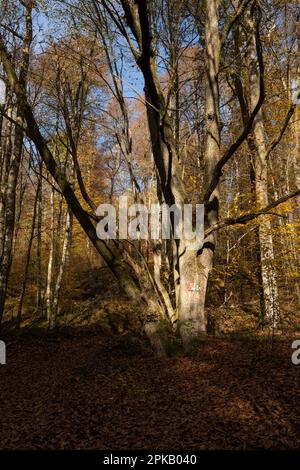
(12, 31)
(277, 140)
(243, 219)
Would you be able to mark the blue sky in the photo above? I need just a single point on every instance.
(133, 81)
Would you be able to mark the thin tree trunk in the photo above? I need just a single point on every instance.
(195, 266)
(63, 262)
(49, 285)
(27, 260)
(268, 274)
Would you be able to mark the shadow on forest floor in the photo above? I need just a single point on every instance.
(80, 389)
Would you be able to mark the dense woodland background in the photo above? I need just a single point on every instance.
(79, 64)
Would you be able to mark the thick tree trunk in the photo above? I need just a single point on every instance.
(195, 266)
(157, 260)
(6, 152)
(193, 283)
(39, 244)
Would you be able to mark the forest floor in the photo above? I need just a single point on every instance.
(79, 389)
